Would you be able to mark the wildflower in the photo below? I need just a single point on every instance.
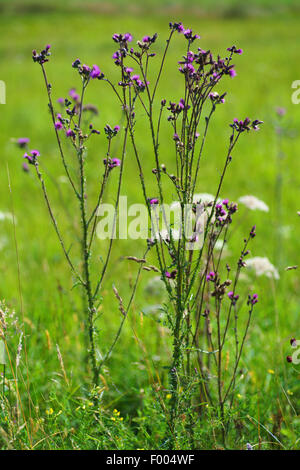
(252, 300)
(253, 232)
(58, 125)
(177, 27)
(234, 298)
(188, 34)
(96, 72)
(60, 101)
(22, 142)
(246, 124)
(169, 396)
(211, 276)
(253, 203)
(232, 73)
(70, 133)
(171, 275)
(75, 96)
(280, 111)
(112, 162)
(271, 371)
(49, 411)
(262, 266)
(234, 50)
(76, 63)
(153, 201)
(42, 57)
(31, 157)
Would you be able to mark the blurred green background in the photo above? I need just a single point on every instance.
(265, 164)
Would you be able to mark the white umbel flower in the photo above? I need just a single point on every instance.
(253, 203)
(262, 266)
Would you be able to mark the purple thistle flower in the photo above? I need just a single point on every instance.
(58, 125)
(25, 167)
(31, 157)
(128, 37)
(22, 142)
(232, 73)
(171, 275)
(96, 72)
(112, 162)
(75, 96)
(70, 133)
(252, 300)
(211, 276)
(153, 201)
(76, 63)
(60, 100)
(232, 297)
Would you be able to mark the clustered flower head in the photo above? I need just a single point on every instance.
(31, 156)
(112, 162)
(42, 57)
(188, 33)
(253, 203)
(153, 201)
(87, 72)
(111, 132)
(252, 299)
(245, 125)
(171, 275)
(224, 212)
(22, 142)
(211, 276)
(262, 266)
(233, 297)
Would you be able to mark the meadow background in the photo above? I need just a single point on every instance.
(35, 280)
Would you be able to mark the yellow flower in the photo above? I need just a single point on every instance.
(113, 418)
(49, 411)
(116, 412)
(169, 396)
(239, 396)
(271, 371)
(289, 392)
(90, 403)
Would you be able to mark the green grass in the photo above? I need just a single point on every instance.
(265, 73)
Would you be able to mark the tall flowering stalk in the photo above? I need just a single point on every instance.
(68, 126)
(190, 268)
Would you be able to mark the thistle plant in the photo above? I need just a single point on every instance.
(69, 125)
(204, 305)
(205, 311)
